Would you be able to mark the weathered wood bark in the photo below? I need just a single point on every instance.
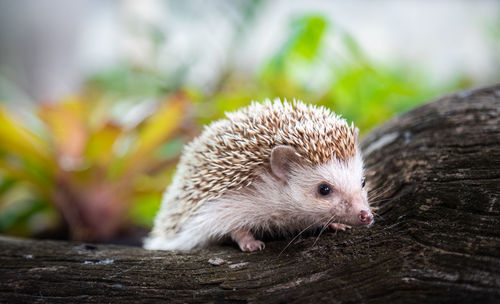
(436, 174)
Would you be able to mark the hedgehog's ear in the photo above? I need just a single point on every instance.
(282, 159)
(356, 134)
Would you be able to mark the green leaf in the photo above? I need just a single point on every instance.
(144, 209)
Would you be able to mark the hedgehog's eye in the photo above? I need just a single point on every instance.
(363, 182)
(324, 189)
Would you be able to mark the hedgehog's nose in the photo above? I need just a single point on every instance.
(365, 217)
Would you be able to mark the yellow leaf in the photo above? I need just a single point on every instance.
(69, 131)
(100, 144)
(19, 173)
(156, 130)
(17, 140)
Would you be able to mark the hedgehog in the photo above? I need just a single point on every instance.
(269, 168)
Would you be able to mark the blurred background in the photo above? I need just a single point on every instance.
(97, 98)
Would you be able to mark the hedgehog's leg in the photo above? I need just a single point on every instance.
(246, 241)
(339, 226)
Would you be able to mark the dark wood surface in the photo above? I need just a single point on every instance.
(435, 176)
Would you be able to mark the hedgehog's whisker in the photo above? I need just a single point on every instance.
(330, 220)
(295, 237)
(375, 192)
(381, 200)
(376, 214)
(379, 192)
(378, 199)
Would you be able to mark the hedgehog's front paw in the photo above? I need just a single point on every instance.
(339, 226)
(246, 241)
(252, 245)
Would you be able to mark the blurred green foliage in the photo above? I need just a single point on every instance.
(80, 159)
(88, 165)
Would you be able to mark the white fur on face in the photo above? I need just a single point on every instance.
(348, 197)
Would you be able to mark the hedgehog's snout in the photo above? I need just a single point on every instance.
(365, 217)
(358, 213)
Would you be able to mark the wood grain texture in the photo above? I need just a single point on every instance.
(435, 176)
